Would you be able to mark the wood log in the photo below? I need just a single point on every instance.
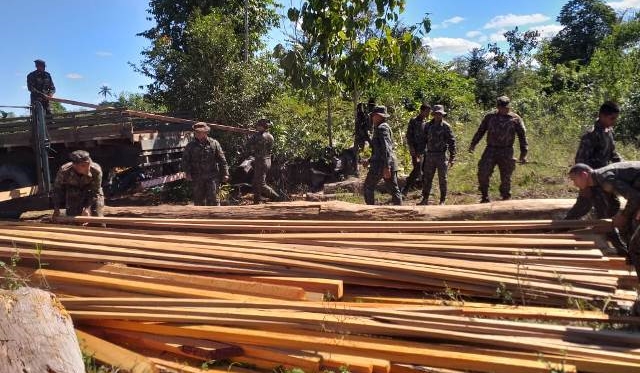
(338, 210)
(114, 355)
(36, 334)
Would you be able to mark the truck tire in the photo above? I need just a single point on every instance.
(14, 176)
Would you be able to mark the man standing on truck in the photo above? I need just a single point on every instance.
(260, 146)
(78, 186)
(40, 84)
(203, 162)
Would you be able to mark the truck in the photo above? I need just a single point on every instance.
(135, 149)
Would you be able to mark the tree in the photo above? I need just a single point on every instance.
(196, 63)
(351, 43)
(521, 46)
(105, 91)
(586, 23)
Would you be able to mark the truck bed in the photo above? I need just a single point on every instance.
(96, 125)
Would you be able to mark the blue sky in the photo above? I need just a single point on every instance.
(88, 43)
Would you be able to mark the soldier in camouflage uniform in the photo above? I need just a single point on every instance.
(501, 127)
(205, 165)
(597, 149)
(260, 146)
(78, 186)
(440, 139)
(417, 141)
(617, 179)
(40, 84)
(383, 163)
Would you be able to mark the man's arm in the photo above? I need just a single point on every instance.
(619, 187)
(585, 149)
(31, 84)
(58, 192)
(451, 145)
(522, 139)
(95, 188)
(222, 160)
(479, 133)
(581, 208)
(410, 136)
(385, 132)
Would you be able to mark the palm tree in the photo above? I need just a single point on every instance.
(105, 91)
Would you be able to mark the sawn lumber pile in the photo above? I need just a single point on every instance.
(394, 296)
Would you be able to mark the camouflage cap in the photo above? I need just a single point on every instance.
(439, 109)
(79, 156)
(201, 127)
(39, 62)
(264, 122)
(503, 101)
(380, 110)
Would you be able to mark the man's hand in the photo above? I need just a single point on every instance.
(451, 163)
(225, 178)
(619, 220)
(386, 173)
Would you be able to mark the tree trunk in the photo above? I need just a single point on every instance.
(36, 334)
(527, 209)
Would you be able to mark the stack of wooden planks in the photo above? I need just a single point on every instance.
(170, 295)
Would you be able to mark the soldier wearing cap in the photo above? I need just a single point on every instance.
(382, 163)
(204, 164)
(260, 146)
(78, 186)
(40, 84)
(598, 149)
(501, 127)
(616, 179)
(416, 141)
(439, 141)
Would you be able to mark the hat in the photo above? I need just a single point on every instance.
(503, 101)
(201, 126)
(264, 122)
(40, 62)
(439, 109)
(79, 156)
(380, 110)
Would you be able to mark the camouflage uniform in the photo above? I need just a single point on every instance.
(40, 81)
(382, 156)
(501, 133)
(440, 139)
(260, 145)
(205, 162)
(623, 179)
(597, 149)
(416, 139)
(78, 192)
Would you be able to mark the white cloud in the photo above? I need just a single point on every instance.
(104, 54)
(548, 31)
(483, 39)
(498, 36)
(473, 34)
(624, 4)
(448, 22)
(450, 45)
(74, 76)
(510, 20)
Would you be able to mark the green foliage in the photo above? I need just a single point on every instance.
(105, 91)
(196, 62)
(57, 108)
(586, 23)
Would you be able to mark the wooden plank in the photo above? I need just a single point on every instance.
(394, 350)
(309, 362)
(114, 355)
